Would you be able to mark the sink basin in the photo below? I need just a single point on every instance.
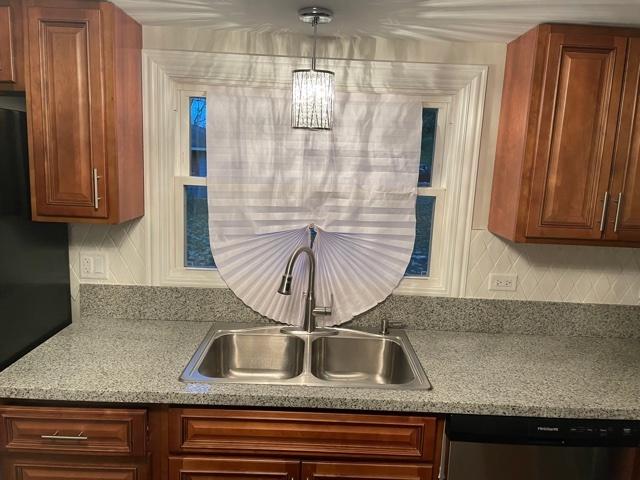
(251, 356)
(334, 358)
(350, 359)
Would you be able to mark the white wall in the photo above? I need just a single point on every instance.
(545, 272)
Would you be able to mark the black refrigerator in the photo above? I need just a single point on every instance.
(34, 256)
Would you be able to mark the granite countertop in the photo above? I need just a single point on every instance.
(478, 373)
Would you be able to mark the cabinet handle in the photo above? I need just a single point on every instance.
(55, 436)
(96, 198)
(616, 224)
(605, 204)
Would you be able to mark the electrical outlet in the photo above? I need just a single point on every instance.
(504, 282)
(93, 265)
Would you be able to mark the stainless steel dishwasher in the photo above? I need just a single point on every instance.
(518, 448)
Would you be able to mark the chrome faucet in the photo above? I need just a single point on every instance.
(310, 309)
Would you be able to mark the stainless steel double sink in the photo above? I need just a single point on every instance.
(336, 358)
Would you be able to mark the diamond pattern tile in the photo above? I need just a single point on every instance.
(563, 273)
(124, 247)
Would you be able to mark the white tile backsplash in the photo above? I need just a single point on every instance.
(559, 273)
(124, 247)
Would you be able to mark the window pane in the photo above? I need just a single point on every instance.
(198, 136)
(197, 247)
(429, 123)
(419, 263)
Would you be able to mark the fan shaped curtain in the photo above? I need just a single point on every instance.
(269, 185)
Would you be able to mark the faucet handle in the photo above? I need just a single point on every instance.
(324, 310)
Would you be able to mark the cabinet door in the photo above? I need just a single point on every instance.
(365, 471)
(213, 468)
(624, 217)
(67, 118)
(42, 469)
(7, 53)
(576, 133)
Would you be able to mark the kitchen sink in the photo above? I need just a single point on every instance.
(352, 359)
(336, 357)
(253, 356)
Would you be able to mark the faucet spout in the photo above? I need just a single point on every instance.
(309, 324)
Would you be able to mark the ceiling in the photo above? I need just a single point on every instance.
(450, 20)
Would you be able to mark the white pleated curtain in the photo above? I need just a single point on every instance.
(356, 185)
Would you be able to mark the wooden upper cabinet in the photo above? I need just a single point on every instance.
(560, 125)
(11, 46)
(624, 218)
(84, 112)
(7, 49)
(578, 122)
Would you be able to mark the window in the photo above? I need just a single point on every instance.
(196, 218)
(425, 204)
(424, 271)
(197, 252)
(174, 170)
(191, 262)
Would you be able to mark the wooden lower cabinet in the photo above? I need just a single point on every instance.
(213, 468)
(50, 442)
(231, 468)
(69, 469)
(78, 431)
(365, 471)
(302, 434)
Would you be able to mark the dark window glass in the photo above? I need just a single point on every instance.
(419, 263)
(196, 213)
(429, 123)
(198, 136)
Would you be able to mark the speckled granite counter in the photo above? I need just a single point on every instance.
(140, 362)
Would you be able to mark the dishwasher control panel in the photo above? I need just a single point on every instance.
(551, 431)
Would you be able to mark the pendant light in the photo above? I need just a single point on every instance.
(313, 90)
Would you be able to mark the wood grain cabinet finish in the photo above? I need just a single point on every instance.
(81, 431)
(624, 218)
(560, 129)
(365, 471)
(336, 435)
(7, 52)
(213, 468)
(56, 469)
(11, 46)
(85, 116)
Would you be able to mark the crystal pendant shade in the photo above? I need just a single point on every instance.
(312, 102)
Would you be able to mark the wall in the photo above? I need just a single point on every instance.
(545, 272)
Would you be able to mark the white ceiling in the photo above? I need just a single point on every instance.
(452, 20)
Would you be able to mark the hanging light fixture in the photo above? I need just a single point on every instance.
(313, 90)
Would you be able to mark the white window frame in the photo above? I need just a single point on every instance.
(456, 90)
(196, 276)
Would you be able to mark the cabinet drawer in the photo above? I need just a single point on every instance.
(365, 471)
(315, 434)
(45, 469)
(73, 430)
(191, 468)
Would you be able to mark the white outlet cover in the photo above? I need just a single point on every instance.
(93, 266)
(503, 282)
